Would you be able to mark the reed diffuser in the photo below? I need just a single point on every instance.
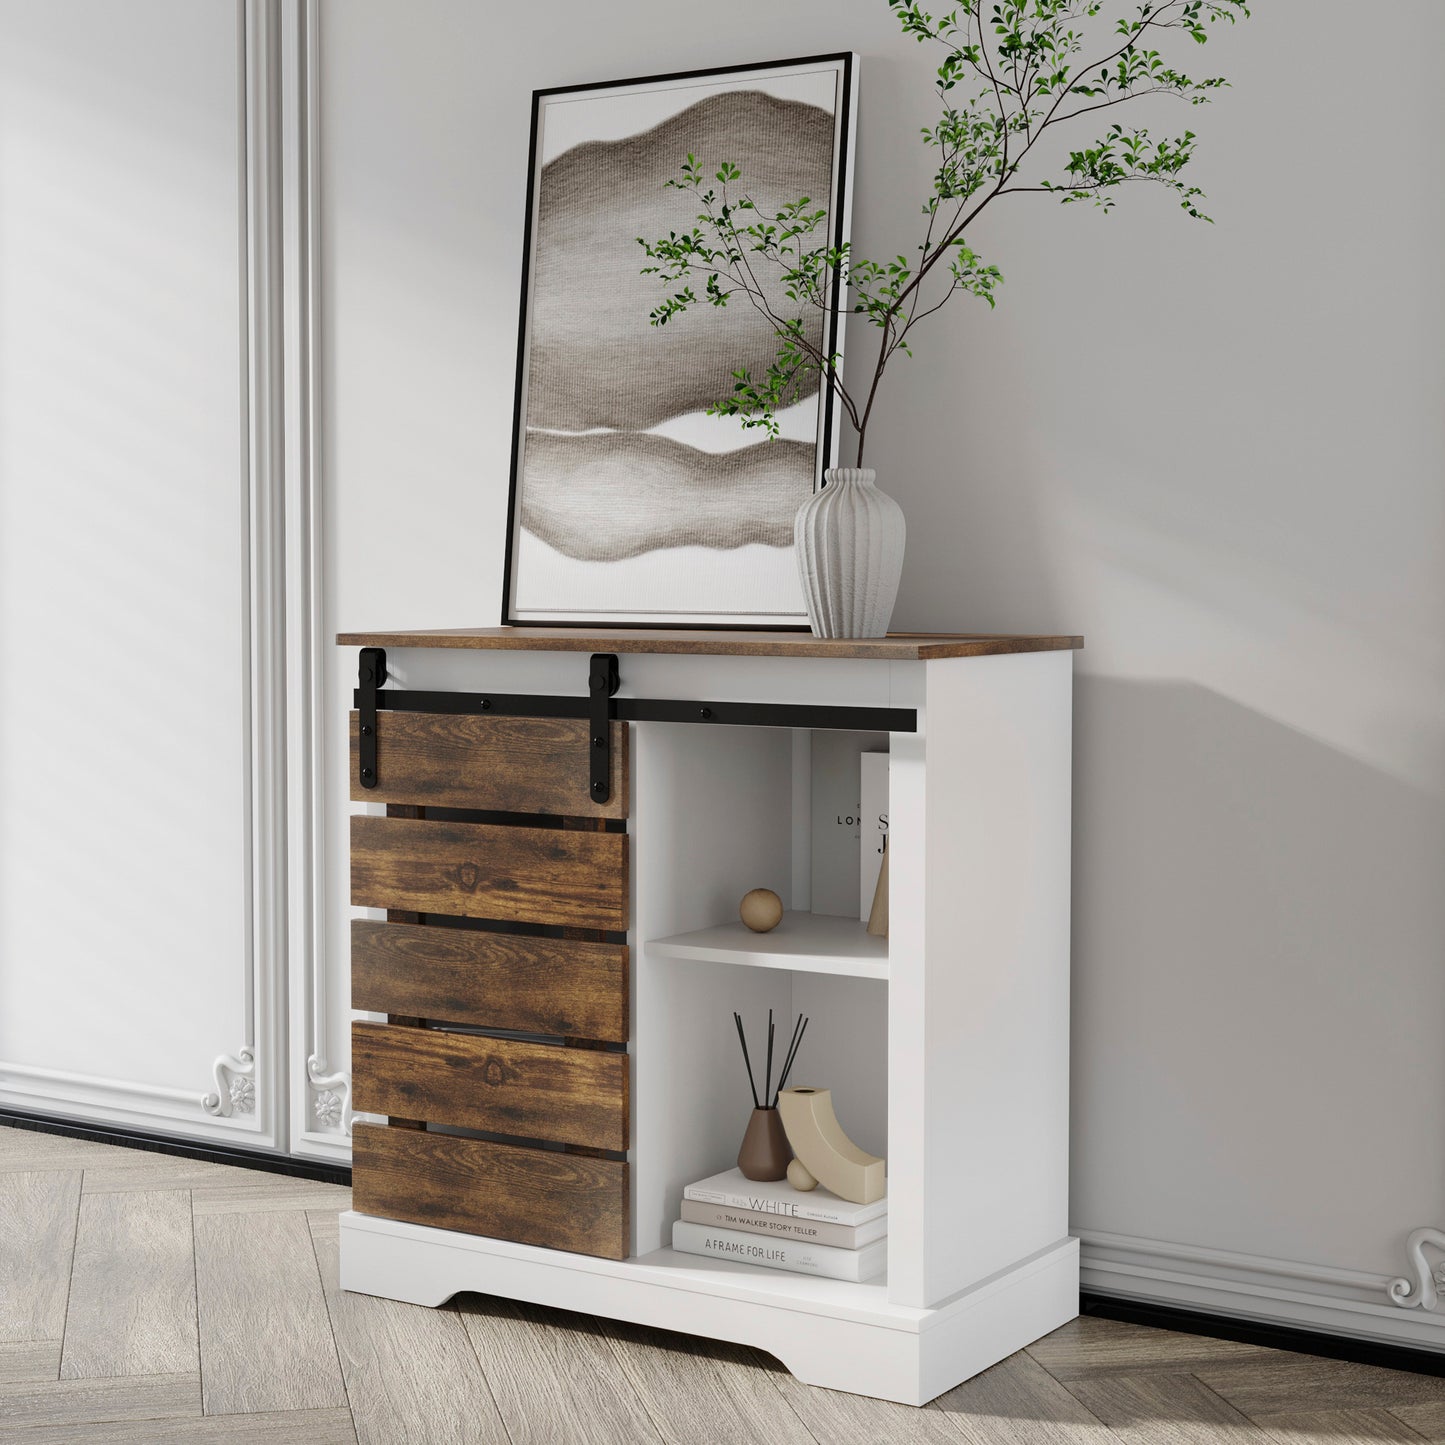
(765, 1153)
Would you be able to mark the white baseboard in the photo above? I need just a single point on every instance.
(333, 1148)
(89, 1099)
(1282, 1292)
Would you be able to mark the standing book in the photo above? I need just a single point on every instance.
(836, 816)
(779, 1197)
(790, 1254)
(873, 827)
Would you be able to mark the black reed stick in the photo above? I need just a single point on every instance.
(788, 1057)
(768, 1077)
(799, 1030)
(743, 1040)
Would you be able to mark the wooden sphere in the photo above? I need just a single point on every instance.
(761, 910)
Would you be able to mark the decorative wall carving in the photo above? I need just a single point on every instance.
(1422, 1292)
(332, 1103)
(328, 1108)
(235, 1091)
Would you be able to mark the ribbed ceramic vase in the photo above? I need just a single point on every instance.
(849, 541)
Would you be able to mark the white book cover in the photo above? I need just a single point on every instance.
(873, 827)
(789, 1254)
(733, 1188)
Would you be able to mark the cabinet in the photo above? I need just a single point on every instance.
(549, 960)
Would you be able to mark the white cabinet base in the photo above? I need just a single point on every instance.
(827, 1332)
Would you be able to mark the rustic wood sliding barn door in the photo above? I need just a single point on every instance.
(501, 971)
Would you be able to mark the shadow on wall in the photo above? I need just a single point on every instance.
(1258, 983)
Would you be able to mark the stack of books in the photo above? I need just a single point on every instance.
(779, 1227)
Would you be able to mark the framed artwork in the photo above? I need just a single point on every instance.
(629, 505)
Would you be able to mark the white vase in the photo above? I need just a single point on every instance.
(849, 541)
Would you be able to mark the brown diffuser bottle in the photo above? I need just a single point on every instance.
(765, 1153)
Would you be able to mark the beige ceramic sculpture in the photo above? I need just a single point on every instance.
(824, 1153)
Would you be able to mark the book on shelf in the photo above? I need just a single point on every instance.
(736, 1191)
(873, 827)
(790, 1254)
(785, 1226)
(837, 817)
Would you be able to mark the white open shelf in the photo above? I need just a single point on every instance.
(803, 942)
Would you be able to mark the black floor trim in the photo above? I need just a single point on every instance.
(1261, 1332)
(185, 1148)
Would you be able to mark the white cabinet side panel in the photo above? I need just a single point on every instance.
(908, 1154)
(995, 995)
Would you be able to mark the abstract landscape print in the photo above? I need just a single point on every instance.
(629, 504)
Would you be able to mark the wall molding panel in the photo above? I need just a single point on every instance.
(1353, 1303)
(249, 1095)
(320, 1094)
(263, 408)
(264, 412)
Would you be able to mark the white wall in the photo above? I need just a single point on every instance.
(155, 572)
(1217, 451)
(123, 611)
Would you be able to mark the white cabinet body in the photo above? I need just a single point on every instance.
(950, 1055)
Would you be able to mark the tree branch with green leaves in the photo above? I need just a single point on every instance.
(1011, 73)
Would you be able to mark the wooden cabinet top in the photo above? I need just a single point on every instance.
(896, 647)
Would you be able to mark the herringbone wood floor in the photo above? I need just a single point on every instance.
(145, 1298)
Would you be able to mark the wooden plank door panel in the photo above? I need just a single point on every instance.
(494, 764)
(493, 871)
(495, 980)
(531, 1196)
(502, 1086)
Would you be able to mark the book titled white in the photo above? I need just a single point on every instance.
(768, 1197)
(789, 1254)
(785, 1226)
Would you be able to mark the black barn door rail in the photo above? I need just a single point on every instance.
(600, 706)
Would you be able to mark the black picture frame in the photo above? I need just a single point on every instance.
(845, 64)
